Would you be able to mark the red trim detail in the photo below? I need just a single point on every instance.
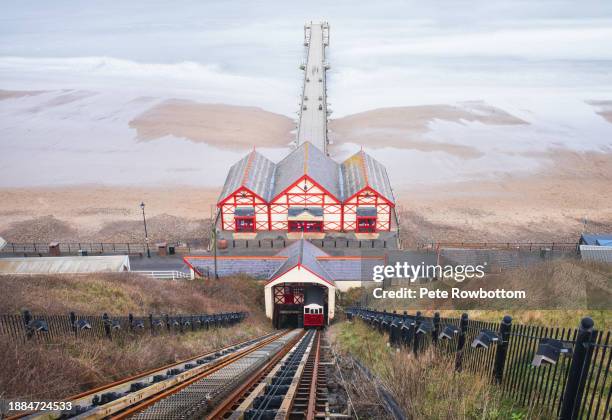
(286, 190)
(192, 267)
(242, 187)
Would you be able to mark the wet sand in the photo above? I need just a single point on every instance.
(406, 127)
(604, 108)
(224, 126)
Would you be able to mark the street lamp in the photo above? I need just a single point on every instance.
(144, 219)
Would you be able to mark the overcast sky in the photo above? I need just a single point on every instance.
(237, 51)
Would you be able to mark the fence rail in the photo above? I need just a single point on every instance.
(322, 243)
(49, 328)
(73, 248)
(522, 246)
(563, 371)
(164, 275)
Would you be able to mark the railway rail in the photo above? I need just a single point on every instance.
(275, 376)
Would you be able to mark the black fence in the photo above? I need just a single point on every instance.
(322, 243)
(565, 372)
(522, 246)
(94, 248)
(50, 328)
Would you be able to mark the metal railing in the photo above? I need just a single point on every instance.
(521, 246)
(50, 328)
(573, 380)
(164, 275)
(90, 248)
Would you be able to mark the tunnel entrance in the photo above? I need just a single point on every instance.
(289, 316)
(289, 300)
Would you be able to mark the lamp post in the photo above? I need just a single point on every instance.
(144, 219)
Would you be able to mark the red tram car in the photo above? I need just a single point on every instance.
(313, 316)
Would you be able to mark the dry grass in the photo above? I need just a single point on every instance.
(559, 293)
(119, 294)
(56, 370)
(427, 387)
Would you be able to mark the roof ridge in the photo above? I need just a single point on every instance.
(306, 158)
(363, 168)
(247, 169)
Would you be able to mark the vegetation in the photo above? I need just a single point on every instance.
(559, 293)
(427, 387)
(48, 371)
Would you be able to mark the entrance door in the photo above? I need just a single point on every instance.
(305, 226)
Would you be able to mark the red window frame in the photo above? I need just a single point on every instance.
(241, 221)
(371, 224)
(307, 226)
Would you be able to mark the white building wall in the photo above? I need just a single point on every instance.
(300, 275)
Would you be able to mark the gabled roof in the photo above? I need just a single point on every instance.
(308, 160)
(362, 170)
(304, 254)
(257, 267)
(255, 172)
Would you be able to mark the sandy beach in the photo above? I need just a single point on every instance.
(406, 127)
(548, 206)
(224, 126)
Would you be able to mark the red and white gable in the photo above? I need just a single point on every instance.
(367, 211)
(324, 209)
(244, 211)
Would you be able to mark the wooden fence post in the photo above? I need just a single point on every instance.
(461, 341)
(502, 348)
(579, 369)
(131, 322)
(151, 326)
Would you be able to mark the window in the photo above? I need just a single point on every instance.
(305, 226)
(245, 224)
(306, 310)
(366, 224)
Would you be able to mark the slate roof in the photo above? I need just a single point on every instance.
(254, 171)
(305, 254)
(266, 179)
(350, 268)
(362, 170)
(259, 268)
(302, 253)
(308, 160)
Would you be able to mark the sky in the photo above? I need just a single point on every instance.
(542, 61)
(236, 51)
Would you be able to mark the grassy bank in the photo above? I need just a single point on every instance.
(66, 366)
(559, 294)
(427, 387)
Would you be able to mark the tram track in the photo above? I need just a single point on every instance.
(275, 376)
(138, 387)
